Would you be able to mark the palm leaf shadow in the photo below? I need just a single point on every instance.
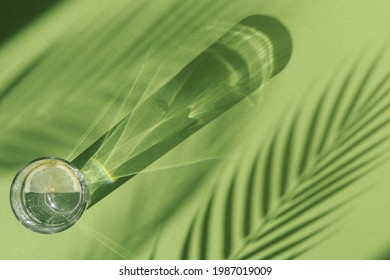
(32, 82)
(81, 79)
(295, 187)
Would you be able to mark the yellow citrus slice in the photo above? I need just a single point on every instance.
(52, 177)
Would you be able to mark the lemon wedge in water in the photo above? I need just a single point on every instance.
(51, 177)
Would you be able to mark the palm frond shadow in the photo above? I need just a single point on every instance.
(31, 85)
(78, 79)
(301, 180)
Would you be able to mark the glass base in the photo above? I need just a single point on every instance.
(49, 195)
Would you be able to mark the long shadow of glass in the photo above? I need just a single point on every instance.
(239, 63)
(230, 70)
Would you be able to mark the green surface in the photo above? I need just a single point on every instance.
(298, 170)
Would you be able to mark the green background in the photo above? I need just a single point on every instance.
(59, 72)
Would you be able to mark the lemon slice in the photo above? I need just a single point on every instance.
(52, 177)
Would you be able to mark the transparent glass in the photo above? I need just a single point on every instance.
(49, 195)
